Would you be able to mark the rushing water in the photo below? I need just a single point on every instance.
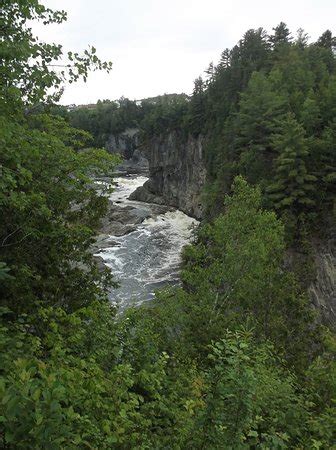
(149, 257)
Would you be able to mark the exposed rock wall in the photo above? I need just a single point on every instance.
(176, 173)
(124, 143)
(322, 291)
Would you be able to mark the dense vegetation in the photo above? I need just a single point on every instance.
(233, 359)
(114, 117)
(268, 113)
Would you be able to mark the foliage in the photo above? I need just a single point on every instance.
(105, 118)
(251, 400)
(293, 187)
(244, 105)
(29, 67)
(47, 198)
(180, 374)
(228, 360)
(235, 275)
(162, 114)
(51, 209)
(260, 112)
(152, 116)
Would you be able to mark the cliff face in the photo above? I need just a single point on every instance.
(124, 143)
(322, 291)
(176, 173)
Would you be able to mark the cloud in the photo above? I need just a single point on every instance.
(162, 46)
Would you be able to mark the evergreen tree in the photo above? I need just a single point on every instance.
(281, 35)
(210, 73)
(301, 39)
(328, 100)
(310, 114)
(293, 187)
(326, 167)
(257, 119)
(225, 59)
(295, 77)
(327, 40)
(197, 107)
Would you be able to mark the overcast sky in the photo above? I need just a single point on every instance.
(161, 46)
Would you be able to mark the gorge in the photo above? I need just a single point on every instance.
(177, 176)
(215, 348)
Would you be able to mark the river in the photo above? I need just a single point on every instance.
(149, 257)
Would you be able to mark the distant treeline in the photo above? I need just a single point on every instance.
(113, 117)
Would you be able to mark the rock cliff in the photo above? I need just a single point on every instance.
(322, 291)
(176, 173)
(126, 144)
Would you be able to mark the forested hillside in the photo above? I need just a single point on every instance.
(108, 118)
(233, 359)
(268, 112)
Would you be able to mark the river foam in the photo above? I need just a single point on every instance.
(149, 257)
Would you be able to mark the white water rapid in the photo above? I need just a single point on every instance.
(149, 257)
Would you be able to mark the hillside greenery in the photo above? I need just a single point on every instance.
(267, 112)
(233, 359)
(108, 117)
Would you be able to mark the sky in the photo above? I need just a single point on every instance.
(161, 46)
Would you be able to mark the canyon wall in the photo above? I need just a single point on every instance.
(322, 291)
(124, 143)
(127, 145)
(177, 173)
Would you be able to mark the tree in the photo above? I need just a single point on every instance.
(51, 210)
(260, 109)
(250, 400)
(311, 114)
(281, 36)
(327, 40)
(210, 73)
(31, 68)
(254, 52)
(225, 59)
(249, 55)
(235, 274)
(293, 187)
(49, 206)
(197, 107)
(302, 38)
(72, 387)
(326, 164)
